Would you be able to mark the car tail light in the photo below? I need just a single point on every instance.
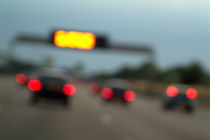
(129, 95)
(34, 85)
(107, 93)
(69, 89)
(172, 91)
(21, 79)
(94, 87)
(191, 93)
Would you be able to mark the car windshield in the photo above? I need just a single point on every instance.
(49, 79)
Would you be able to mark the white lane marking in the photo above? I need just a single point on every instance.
(105, 119)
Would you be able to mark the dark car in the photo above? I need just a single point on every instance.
(180, 96)
(53, 87)
(118, 90)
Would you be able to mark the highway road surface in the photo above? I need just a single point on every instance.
(89, 118)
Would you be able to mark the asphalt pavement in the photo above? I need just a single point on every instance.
(89, 118)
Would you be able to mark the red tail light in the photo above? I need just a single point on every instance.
(21, 79)
(69, 89)
(107, 93)
(172, 91)
(191, 93)
(130, 95)
(34, 85)
(94, 87)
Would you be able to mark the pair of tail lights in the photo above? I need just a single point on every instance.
(129, 95)
(173, 91)
(36, 85)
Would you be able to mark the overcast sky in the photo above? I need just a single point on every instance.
(178, 29)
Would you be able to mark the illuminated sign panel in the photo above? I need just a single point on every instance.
(74, 39)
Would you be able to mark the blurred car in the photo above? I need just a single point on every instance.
(180, 96)
(51, 86)
(118, 90)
